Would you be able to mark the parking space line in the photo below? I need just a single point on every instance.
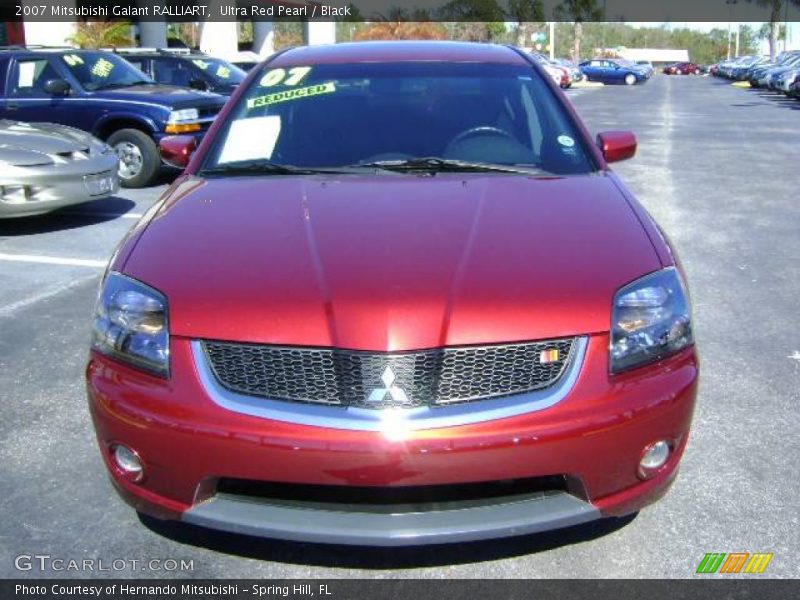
(53, 260)
(77, 213)
(9, 309)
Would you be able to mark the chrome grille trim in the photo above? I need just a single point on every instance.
(434, 377)
(392, 422)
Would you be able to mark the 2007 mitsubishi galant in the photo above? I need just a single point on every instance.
(396, 297)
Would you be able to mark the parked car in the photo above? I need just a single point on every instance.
(104, 95)
(245, 60)
(737, 67)
(575, 73)
(758, 73)
(353, 318)
(785, 81)
(560, 75)
(185, 68)
(682, 68)
(794, 90)
(612, 71)
(44, 166)
(740, 70)
(769, 78)
(647, 66)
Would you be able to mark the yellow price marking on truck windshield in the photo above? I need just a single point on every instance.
(102, 68)
(73, 60)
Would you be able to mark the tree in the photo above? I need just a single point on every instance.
(347, 27)
(578, 11)
(287, 34)
(525, 13)
(474, 20)
(401, 30)
(102, 34)
(771, 32)
(776, 8)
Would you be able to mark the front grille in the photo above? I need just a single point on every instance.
(381, 380)
(394, 499)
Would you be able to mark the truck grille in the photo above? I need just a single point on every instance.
(380, 380)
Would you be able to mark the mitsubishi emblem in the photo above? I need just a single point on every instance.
(379, 394)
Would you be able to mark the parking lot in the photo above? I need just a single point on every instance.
(716, 166)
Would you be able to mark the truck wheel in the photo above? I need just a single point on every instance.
(139, 160)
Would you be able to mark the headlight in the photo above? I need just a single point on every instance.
(130, 324)
(186, 114)
(98, 148)
(650, 320)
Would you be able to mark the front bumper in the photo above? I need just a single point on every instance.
(593, 438)
(51, 187)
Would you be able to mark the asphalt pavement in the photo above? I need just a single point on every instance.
(716, 166)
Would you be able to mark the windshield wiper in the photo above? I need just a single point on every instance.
(269, 168)
(436, 164)
(117, 84)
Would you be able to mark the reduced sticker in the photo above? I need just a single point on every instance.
(293, 94)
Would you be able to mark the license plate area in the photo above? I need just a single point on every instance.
(97, 185)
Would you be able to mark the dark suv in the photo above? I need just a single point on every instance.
(185, 68)
(103, 94)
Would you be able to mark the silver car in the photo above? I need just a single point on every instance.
(44, 166)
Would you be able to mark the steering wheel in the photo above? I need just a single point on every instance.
(481, 130)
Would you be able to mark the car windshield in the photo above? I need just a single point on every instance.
(220, 71)
(413, 113)
(101, 70)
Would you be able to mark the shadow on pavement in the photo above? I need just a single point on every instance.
(359, 557)
(72, 217)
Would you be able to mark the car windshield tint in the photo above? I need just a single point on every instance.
(98, 70)
(219, 70)
(336, 115)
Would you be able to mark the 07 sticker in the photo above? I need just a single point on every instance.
(279, 76)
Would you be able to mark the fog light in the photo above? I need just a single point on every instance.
(128, 462)
(654, 456)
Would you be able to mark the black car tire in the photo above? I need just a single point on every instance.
(148, 151)
(630, 79)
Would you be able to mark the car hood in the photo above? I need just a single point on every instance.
(168, 95)
(28, 144)
(393, 262)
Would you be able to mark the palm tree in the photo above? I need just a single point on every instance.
(775, 7)
(578, 11)
(102, 34)
(523, 13)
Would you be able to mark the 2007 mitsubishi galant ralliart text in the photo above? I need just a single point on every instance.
(396, 297)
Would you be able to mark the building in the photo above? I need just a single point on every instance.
(657, 56)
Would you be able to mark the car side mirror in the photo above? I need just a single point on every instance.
(57, 87)
(616, 145)
(177, 150)
(198, 84)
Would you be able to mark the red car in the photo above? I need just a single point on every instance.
(682, 68)
(397, 297)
